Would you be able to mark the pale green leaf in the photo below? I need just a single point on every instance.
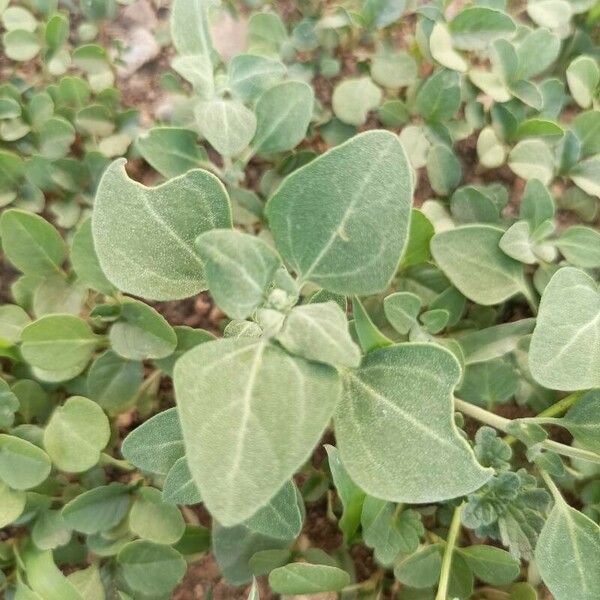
(354, 98)
(154, 520)
(22, 464)
(304, 578)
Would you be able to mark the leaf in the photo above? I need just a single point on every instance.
(532, 159)
(350, 495)
(238, 269)
(156, 444)
(190, 27)
(304, 578)
(12, 504)
(354, 98)
(13, 319)
(422, 569)
(580, 246)
(319, 332)
(443, 169)
(31, 243)
(491, 565)
(187, 338)
(227, 124)
(476, 27)
(179, 486)
(154, 520)
(537, 204)
(439, 97)
(586, 174)
(393, 69)
(440, 45)
(22, 464)
(339, 198)
(283, 114)
(237, 430)
(20, 45)
(471, 258)
(387, 392)
(401, 310)
(419, 236)
(517, 243)
(282, 518)
(144, 237)
(151, 569)
(583, 77)
(85, 260)
(568, 320)
(141, 332)
(568, 554)
(9, 405)
(172, 151)
(76, 434)
(50, 530)
(113, 381)
(582, 421)
(98, 509)
(251, 74)
(58, 343)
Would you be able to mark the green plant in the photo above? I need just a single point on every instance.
(358, 312)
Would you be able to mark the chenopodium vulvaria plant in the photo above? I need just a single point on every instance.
(350, 312)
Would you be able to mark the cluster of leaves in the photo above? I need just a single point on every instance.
(349, 309)
(61, 119)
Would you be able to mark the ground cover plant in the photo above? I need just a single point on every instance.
(388, 213)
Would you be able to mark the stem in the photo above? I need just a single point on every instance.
(551, 486)
(442, 592)
(500, 423)
(110, 461)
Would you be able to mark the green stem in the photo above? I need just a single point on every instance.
(500, 423)
(442, 593)
(109, 461)
(551, 486)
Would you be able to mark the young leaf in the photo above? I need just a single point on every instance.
(583, 77)
(76, 434)
(582, 421)
(580, 246)
(144, 237)
(354, 98)
(283, 114)
(476, 27)
(179, 486)
(320, 332)
(190, 27)
(385, 392)
(12, 504)
(568, 554)
(471, 258)
(401, 310)
(31, 243)
(156, 444)
(568, 320)
(491, 565)
(238, 269)
(237, 430)
(339, 198)
(22, 464)
(154, 520)
(304, 578)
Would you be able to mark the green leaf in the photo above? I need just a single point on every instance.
(251, 74)
(320, 332)
(476, 27)
(304, 578)
(31, 243)
(187, 338)
(179, 486)
(151, 569)
(238, 269)
(282, 517)
(13, 319)
(491, 565)
(568, 321)
(401, 310)
(154, 520)
(113, 381)
(580, 246)
(172, 151)
(537, 204)
(354, 98)
(237, 430)
(471, 258)
(22, 465)
(50, 530)
(568, 554)
(85, 260)
(586, 175)
(17, 17)
(190, 27)
(141, 332)
(283, 114)
(144, 237)
(58, 343)
(9, 405)
(338, 198)
(582, 421)
(55, 138)
(386, 392)
(517, 243)
(21, 45)
(583, 77)
(419, 236)
(12, 504)
(156, 444)
(531, 159)
(422, 569)
(76, 434)
(98, 509)
(441, 48)
(350, 495)
(382, 13)
(393, 70)
(443, 169)
(227, 124)
(439, 97)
